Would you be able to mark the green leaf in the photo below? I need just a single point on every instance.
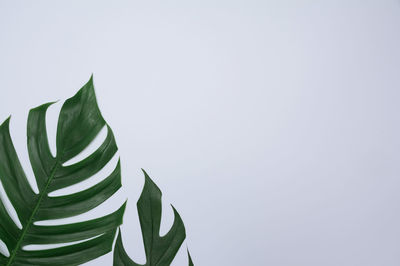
(160, 250)
(79, 123)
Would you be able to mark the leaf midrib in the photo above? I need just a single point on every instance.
(32, 217)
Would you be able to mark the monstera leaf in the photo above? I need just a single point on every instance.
(79, 123)
(159, 250)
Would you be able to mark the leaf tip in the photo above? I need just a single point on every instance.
(90, 81)
(173, 208)
(123, 206)
(121, 210)
(90, 84)
(6, 122)
(147, 180)
(118, 164)
(144, 172)
(87, 89)
(177, 217)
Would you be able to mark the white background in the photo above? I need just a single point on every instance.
(272, 126)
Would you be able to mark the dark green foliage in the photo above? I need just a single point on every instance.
(79, 123)
(159, 250)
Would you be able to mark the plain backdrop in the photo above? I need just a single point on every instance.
(271, 126)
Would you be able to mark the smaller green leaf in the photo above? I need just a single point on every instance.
(159, 250)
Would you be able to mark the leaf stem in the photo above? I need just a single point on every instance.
(32, 217)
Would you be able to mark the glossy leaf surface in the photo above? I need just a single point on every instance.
(79, 123)
(159, 250)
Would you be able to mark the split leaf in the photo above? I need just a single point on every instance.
(79, 123)
(159, 250)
